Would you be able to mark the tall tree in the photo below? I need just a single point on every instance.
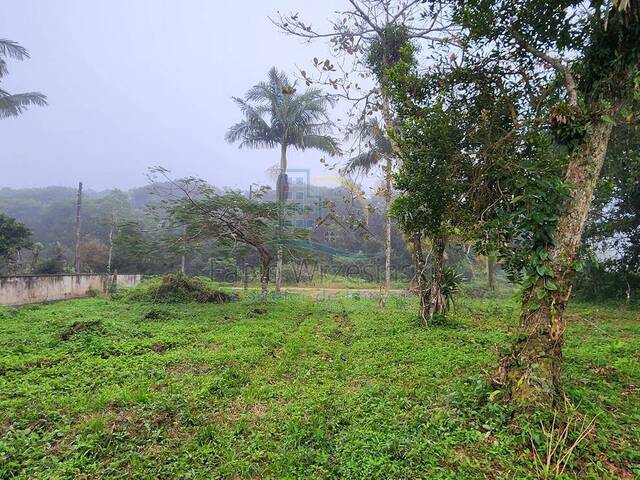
(200, 212)
(375, 149)
(12, 105)
(585, 57)
(13, 237)
(365, 38)
(275, 114)
(441, 168)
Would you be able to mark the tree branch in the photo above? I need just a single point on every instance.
(564, 70)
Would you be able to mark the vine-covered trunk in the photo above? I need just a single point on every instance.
(437, 301)
(420, 278)
(532, 370)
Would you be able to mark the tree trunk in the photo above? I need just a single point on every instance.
(183, 257)
(389, 123)
(532, 371)
(265, 262)
(113, 283)
(279, 255)
(421, 281)
(282, 187)
(491, 266)
(36, 257)
(245, 278)
(416, 241)
(437, 301)
(387, 237)
(76, 260)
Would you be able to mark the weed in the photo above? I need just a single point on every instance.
(554, 445)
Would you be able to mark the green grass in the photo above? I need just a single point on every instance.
(338, 388)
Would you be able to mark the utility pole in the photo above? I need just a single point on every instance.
(113, 224)
(76, 263)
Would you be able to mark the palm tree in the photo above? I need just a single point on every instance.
(14, 105)
(276, 115)
(378, 150)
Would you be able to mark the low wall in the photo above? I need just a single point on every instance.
(24, 289)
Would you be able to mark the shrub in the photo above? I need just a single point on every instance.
(451, 286)
(94, 292)
(178, 288)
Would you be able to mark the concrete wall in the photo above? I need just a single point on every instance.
(25, 289)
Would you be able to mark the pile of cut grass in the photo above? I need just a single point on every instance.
(178, 288)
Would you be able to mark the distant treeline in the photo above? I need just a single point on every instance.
(123, 221)
(346, 234)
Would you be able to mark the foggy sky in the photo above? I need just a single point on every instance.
(137, 83)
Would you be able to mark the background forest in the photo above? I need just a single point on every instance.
(610, 250)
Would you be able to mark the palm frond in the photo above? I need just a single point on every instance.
(372, 132)
(253, 131)
(249, 137)
(9, 48)
(324, 143)
(363, 162)
(377, 146)
(14, 105)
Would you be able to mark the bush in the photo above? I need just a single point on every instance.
(79, 327)
(157, 314)
(178, 288)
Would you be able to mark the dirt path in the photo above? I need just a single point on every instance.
(315, 291)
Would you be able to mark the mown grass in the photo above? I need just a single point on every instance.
(298, 388)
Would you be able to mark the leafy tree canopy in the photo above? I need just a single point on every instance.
(13, 236)
(276, 114)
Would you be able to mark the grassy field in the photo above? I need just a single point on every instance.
(298, 388)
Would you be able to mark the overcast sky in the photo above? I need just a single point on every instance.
(136, 83)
